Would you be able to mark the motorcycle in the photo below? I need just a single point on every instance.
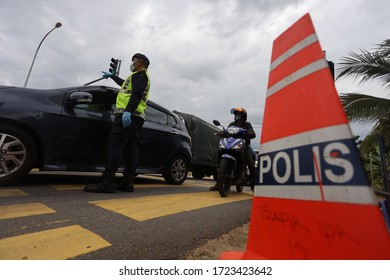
(233, 169)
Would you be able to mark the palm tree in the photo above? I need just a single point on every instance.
(362, 108)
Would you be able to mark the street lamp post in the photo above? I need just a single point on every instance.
(58, 25)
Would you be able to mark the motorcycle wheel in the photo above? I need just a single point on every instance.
(225, 177)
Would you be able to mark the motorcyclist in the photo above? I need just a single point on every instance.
(240, 120)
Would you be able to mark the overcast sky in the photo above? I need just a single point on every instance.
(206, 56)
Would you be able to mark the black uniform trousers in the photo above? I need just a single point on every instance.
(123, 144)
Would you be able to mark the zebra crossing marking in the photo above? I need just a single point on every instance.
(150, 207)
(54, 244)
(12, 192)
(24, 210)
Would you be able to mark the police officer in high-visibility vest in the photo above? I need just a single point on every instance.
(129, 118)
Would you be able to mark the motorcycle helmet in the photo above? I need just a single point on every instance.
(239, 112)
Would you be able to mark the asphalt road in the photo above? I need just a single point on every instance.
(50, 217)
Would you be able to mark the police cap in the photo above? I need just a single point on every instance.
(143, 58)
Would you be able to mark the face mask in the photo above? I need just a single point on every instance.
(132, 67)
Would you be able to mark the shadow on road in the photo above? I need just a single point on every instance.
(58, 178)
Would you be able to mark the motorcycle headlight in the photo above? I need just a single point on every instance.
(239, 146)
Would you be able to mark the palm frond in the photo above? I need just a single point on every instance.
(363, 108)
(366, 66)
(384, 48)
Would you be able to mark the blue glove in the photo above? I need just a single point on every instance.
(106, 74)
(126, 119)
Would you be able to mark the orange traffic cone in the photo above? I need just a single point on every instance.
(313, 200)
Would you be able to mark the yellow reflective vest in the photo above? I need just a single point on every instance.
(124, 95)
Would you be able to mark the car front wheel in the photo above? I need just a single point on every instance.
(18, 154)
(177, 171)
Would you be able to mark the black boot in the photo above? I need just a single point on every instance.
(107, 185)
(127, 183)
(214, 188)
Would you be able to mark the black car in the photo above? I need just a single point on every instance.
(67, 129)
